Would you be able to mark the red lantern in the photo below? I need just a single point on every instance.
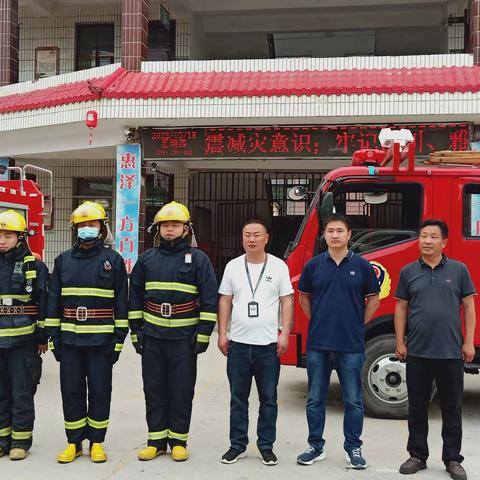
(92, 119)
(91, 122)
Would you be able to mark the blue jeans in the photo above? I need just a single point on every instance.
(243, 363)
(320, 364)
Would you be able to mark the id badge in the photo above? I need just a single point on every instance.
(253, 309)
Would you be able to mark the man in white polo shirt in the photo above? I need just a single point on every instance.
(253, 288)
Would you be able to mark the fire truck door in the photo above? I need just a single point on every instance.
(464, 234)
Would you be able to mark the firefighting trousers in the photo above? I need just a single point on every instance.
(20, 371)
(85, 371)
(169, 370)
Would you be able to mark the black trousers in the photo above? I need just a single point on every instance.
(448, 376)
(169, 370)
(20, 371)
(82, 370)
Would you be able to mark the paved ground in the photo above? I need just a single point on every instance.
(384, 440)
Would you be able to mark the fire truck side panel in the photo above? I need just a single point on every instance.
(30, 203)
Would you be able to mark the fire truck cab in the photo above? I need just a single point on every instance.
(25, 197)
(386, 203)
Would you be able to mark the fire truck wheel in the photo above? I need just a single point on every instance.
(384, 380)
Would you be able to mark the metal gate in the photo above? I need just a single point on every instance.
(220, 203)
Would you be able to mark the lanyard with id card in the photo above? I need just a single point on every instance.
(253, 305)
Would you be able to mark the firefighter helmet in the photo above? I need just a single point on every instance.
(12, 221)
(88, 211)
(172, 212)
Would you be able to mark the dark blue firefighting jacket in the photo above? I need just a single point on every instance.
(170, 277)
(23, 298)
(88, 297)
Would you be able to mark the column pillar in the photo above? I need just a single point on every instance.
(8, 42)
(134, 33)
(474, 16)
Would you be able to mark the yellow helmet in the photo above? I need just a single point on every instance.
(172, 212)
(12, 221)
(88, 211)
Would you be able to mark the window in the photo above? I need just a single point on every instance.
(322, 44)
(96, 190)
(471, 211)
(94, 46)
(381, 214)
(161, 41)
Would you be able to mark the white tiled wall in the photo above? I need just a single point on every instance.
(58, 30)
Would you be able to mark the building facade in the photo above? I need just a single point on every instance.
(233, 102)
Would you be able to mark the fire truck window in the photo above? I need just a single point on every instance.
(471, 211)
(375, 226)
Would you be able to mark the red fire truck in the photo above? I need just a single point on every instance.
(25, 197)
(386, 203)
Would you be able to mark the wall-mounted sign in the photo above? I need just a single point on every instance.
(128, 202)
(292, 142)
(47, 60)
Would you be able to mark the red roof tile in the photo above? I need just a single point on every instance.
(123, 84)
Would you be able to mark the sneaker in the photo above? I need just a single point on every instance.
(412, 465)
(311, 455)
(355, 460)
(232, 456)
(456, 470)
(268, 457)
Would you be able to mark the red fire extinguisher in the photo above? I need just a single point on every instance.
(91, 122)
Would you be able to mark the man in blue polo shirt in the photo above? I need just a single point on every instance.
(339, 294)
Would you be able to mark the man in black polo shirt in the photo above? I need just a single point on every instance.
(430, 294)
(339, 294)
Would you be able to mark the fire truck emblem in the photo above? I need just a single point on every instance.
(383, 278)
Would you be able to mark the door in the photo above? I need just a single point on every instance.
(464, 235)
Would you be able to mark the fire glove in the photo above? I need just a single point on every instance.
(200, 343)
(137, 341)
(113, 353)
(55, 346)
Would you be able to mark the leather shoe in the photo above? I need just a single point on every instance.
(412, 465)
(456, 470)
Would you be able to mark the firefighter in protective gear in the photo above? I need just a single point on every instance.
(23, 294)
(87, 321)
(172, 312)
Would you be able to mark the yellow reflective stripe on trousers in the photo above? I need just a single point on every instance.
(211, 317)
(15, 332)
(51, 345)
(134, 314)
(20, 298)
(118, 347)
(41, 323)
(178, 436)
(134, 337)
(202, 338)
(169, 322)
(177, 287)
(158, 435)
(75, 328)
(5, 432)
(121, 323)
(74, 425)
(87, 292)
(21, 435)
(31, 274)
(52, 322)
(95, 424)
